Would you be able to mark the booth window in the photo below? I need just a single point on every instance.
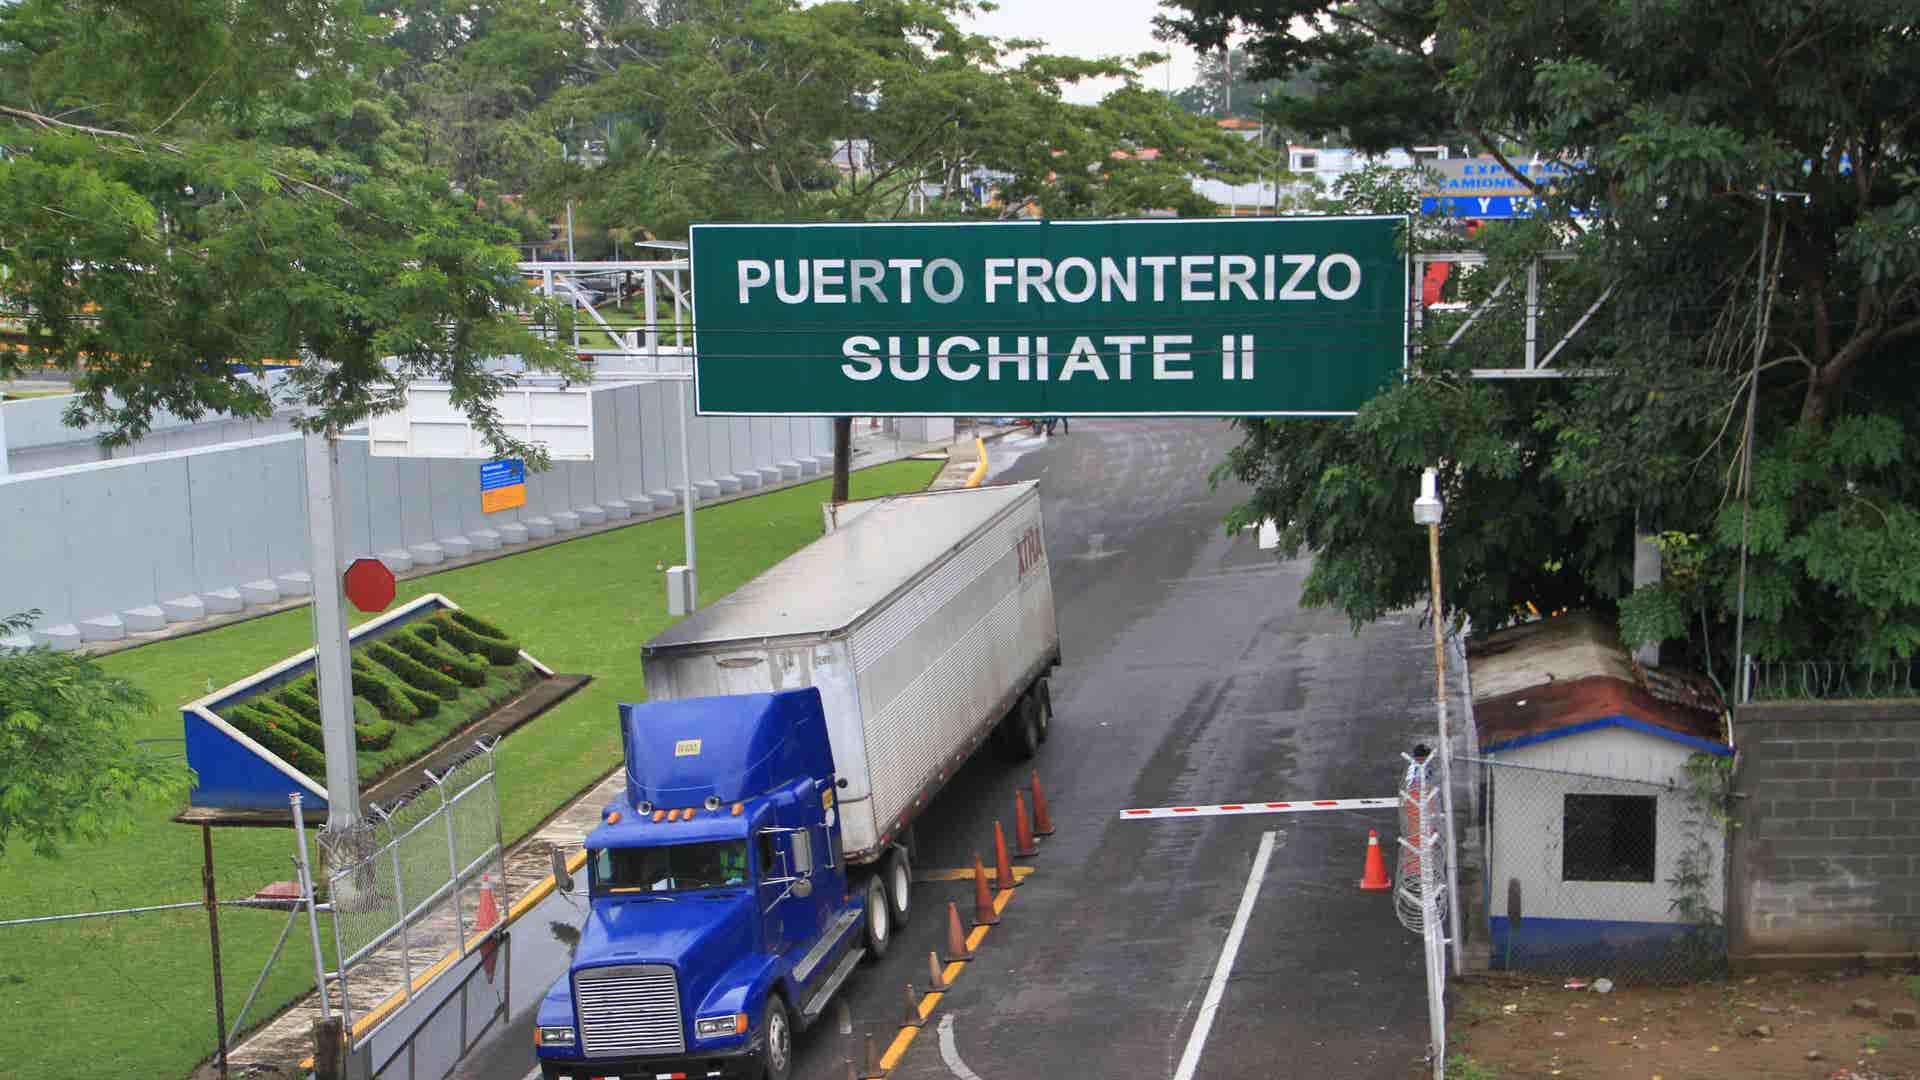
(1608, 838)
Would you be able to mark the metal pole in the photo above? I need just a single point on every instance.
(686, 502)
(331, 663)
(3, 435)
(306, 893)
(569, 230)
(1446, 750)
(1436, 961)
(1746, 454)
(213, 937)
(499, 833)
(650, 287)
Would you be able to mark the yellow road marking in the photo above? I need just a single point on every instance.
(931, 1001)
(1020, 873)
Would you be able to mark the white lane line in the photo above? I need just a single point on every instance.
(1210, 1005)
(950, 1053)
(1298, 806)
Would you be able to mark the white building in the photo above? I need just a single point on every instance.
(1592, 831)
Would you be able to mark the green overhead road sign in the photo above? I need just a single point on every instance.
(1203, 317)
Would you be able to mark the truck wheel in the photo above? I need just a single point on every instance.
(779, 1035)
(879, 920)
(1043, 708)
(898, 873)
(1020, 732)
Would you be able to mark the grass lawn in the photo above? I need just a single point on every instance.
(139, 987)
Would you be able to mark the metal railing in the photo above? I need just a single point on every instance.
(417, 884)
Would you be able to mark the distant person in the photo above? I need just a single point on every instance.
(1062, 421)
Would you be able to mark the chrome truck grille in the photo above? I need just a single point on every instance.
(629, 1009)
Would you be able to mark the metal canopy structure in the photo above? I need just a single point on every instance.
(1532, 365)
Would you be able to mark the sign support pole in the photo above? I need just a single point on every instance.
(686, 500)
(330, 656)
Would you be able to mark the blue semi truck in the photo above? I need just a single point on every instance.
(794, 732)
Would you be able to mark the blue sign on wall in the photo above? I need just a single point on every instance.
(503, 485)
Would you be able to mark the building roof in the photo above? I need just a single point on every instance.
(1570, 675)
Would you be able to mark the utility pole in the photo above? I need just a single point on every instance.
(331, 665)
(1428, 510)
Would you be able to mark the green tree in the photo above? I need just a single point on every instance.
(1680, 124)
(68, 769)
(191, 193)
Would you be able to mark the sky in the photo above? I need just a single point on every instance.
(1090, 28)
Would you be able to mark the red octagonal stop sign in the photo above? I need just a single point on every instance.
(369, 585)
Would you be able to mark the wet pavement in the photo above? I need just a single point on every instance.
(1191, 676)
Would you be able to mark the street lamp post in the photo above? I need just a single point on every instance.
(1428, 510)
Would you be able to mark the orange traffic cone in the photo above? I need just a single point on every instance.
(1042, 821)
(935, 984)
(1376, 875)
(956, 937)
(489, 909)
(912, 1019)
(1023, 829)
(983, 913)
(1002, 868)
(485, 917)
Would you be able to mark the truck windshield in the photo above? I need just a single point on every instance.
(670, 869)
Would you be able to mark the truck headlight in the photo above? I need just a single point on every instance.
(714, 1027)
(554, 1036)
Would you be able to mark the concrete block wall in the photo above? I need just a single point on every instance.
(128, 545)
(1826, 854)
(37, 439)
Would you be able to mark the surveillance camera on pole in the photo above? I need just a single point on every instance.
(1428, 510)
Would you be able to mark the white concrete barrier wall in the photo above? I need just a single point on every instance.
(108, 547)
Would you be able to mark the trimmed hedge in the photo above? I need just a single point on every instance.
(438, 658)
(364, 711)
(305, 704)
(471, 634)
(307, 731)
(373, 735)
(268, 732)
(413, 672)
(397, 701)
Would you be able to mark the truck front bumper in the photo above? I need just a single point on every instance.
(740, 1064)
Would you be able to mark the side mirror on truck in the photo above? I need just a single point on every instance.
(562, 879)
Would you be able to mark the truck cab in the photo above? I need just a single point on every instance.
(721, 919)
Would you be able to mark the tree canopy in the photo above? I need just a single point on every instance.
(1744, 182)
(68, 768)
(193, 192)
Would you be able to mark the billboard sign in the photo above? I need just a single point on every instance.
(1203, 317)
(1481, 188)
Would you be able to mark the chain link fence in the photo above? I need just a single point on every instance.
(1597, 876)
(418, 883)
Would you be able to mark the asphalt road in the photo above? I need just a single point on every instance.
(1191, 676)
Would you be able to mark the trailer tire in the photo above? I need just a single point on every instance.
(777, 1054)
(879, 926)
(897, 870)
(1020, 732)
